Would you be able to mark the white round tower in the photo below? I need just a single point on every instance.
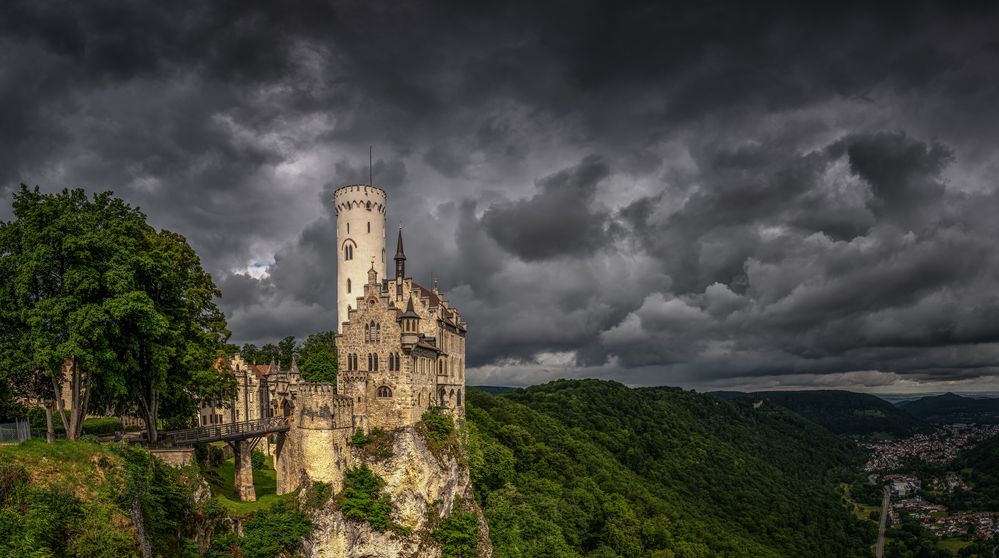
(360, 239)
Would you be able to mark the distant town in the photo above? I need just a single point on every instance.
(889, 462)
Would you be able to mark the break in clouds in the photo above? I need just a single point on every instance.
(704, 194)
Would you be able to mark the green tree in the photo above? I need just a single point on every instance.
(171, 335)
(287, 349)
(249, 352)
(319, 357)
(63, 258)
(268, 353)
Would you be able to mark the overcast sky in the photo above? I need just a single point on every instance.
(703, 194)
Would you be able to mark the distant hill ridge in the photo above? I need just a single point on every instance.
(953, 408)
(843, 412)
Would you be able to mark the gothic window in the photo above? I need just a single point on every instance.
(378, 332)
(370, 364)
(348, 285)
(367, 332)
(375, 358)
(348, 252)
(384, 392)
(459, 398)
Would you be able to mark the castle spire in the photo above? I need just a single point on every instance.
(400, 257)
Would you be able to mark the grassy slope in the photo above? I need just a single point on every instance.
(264, 483)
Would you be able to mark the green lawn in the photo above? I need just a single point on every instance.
(264, 482)
(860, 511)
(954, 544)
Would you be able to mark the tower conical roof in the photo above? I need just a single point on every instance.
(399, 253)
(410, 312)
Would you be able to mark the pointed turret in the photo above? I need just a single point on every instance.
(410, 327)
(400, 257)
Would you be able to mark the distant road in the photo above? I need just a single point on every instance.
(880, 552)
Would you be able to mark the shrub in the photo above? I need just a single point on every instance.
(361, 499)
(104, 426)
(459, 534)
(439, 424)
(208, 456)
(358, 439)
(13, 478)
(319, 493)
(438, 427)
(92, 538)
(257, 460)
(273, 532)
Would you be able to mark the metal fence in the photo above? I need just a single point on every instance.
(15, 431)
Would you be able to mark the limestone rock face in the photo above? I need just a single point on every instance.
(424, 489)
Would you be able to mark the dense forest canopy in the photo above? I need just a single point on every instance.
(845, 412)
(593, 468)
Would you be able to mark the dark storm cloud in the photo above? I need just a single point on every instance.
(558, 220)
(707, 194)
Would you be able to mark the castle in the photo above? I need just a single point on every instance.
(401, 351)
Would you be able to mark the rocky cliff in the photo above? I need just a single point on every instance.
(425, 485)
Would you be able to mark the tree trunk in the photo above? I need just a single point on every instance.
(85, 405)
(60, 405)
(75, 420)
(151, 413)
(49, 430)
(140, 529)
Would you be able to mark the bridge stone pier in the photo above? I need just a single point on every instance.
(243, 437)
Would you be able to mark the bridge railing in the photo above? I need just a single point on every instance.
(232, 430)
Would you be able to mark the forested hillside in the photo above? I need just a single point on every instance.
(594, 468)
(980, 466)
(952, 408)
(849, 413)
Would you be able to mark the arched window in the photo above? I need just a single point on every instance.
(348, 285)
(374, 357)
(459, 398)
(348, 252)
(378, 332)
(369, 226)
(384, 392)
